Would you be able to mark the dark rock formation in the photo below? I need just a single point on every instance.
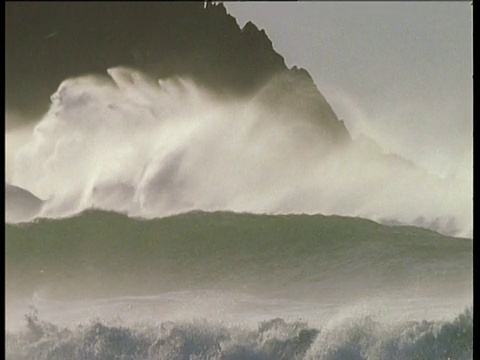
(47, 42)
(20, 204)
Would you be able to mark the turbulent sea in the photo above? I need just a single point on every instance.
(149, 221)
(225, 285)
(188, 196)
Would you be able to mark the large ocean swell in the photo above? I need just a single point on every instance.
(250, 268)
(153, 280)
(213, 207)
(281, 252)
(230, 286)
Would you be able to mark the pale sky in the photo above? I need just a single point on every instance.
(399, 72)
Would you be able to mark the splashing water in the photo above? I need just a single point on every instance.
(151, 149)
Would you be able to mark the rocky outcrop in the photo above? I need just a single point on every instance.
(48, 42)
(20, 204)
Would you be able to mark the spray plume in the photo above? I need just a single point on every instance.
(148, 148)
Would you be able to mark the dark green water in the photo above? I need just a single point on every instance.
(100, 253)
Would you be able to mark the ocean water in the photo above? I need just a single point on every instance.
(197, 199)
(153, 221)
(273, 339)
(225, 285)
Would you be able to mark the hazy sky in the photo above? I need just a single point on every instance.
(399, 72)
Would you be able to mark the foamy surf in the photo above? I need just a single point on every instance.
(186, 195)
(228, 286)
(352, 338)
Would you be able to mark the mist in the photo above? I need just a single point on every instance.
(17, 133)
(398, 72)
(149, 148)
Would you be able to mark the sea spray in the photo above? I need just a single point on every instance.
(151, 148)
(359, 338)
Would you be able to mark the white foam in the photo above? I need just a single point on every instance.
(154, 148)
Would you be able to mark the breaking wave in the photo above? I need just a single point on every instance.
(303, 254)
(130, 144)
(274, 339)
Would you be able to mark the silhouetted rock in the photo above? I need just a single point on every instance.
(47, 42)
(20, 204)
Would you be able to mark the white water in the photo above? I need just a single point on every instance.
(152, 149)
(209, 325)
(232, 307)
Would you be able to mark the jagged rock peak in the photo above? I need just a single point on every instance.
(163, 39)
(70, 39)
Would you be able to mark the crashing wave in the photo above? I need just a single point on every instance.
(359, 339)
(129, 144)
